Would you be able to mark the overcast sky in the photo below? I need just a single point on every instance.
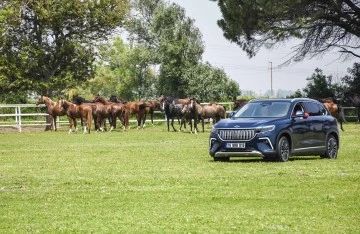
(254, 74)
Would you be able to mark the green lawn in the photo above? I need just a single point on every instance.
(154, 181)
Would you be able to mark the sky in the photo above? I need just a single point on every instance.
(255, 74)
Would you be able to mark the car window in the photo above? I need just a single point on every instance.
(312, 108)
(297, 107)
(263, 109)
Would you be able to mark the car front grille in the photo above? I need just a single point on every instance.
(237, 134)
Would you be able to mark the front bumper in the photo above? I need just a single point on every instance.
(258, 147)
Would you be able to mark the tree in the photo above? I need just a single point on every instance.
(352, 81)
(320, 25)
(176, 42)
(123, 70)
(319, 86)
(50, 45)
(209, 84)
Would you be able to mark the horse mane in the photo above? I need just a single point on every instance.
(80, 100)
(116, 99)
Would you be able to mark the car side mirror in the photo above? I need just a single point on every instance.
(231, 114)
(301, 114)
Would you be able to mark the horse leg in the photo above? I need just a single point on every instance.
(172, 124)
(202, 122)
(70, 124)
(100, 121)
(51, 122)
(152, 118)
(138, 121)
(195, 125)
(75, 124)
(54, 119)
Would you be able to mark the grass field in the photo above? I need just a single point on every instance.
(154, 181)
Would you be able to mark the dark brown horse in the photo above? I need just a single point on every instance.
(335, 110)
(137, 109)
(151, 107)
(202, 112)
(53, 109)
(74, 111)
(354, 100)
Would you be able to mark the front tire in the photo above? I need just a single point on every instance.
(283, 149)
(331, 148)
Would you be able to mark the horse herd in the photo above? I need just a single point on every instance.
(100, 109)
(187, 110)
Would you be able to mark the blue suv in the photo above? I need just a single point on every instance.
(275, 129)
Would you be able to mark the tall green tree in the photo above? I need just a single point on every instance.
(321, 26)
(50, 45)
(209, 84)
(352, 80)
(125, 71)
(172, 35)
(319, 85)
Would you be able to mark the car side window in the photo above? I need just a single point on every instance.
(298, 107)
(312, 108)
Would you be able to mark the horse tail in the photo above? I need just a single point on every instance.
(89, 117)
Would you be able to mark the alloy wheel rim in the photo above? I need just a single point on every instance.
(332, 148)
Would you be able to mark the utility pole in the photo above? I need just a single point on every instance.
(271, 80)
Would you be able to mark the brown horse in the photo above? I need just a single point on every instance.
(183, 101)
(137, 109)
(112, 111)
(202, 112)
(335, 110)
(53, 109)
(151, 107)
(74, 111)
(82, 101)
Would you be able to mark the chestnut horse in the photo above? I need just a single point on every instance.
(115, 110)
(53, 109)
(137, 109)
(74, 111)
(335, 110)
(82, 101)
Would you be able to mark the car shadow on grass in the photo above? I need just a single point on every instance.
(261, 160)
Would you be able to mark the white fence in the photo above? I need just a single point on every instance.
(18, 121)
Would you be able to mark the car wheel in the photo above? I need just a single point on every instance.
(283, 149)
(221, 159)
(331, 148)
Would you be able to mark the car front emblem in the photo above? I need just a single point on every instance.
(236, 126)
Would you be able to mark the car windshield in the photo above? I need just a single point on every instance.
(265, 109)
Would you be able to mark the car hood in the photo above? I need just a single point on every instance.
(245, 122)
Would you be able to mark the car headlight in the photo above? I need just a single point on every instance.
(213, 130)
(266, 129)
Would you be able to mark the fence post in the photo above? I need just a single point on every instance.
(18, 117)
